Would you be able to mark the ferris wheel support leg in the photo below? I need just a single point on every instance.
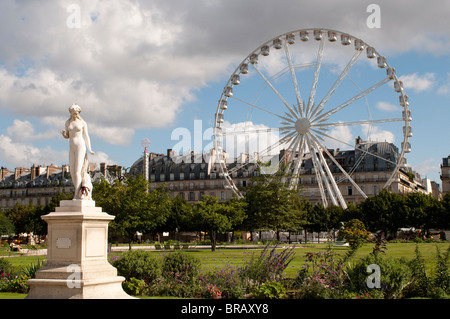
(332, 180)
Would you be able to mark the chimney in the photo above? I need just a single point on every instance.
(103, 168)
(19, 171)
(33, 172)
(3, 172)
(358, 140)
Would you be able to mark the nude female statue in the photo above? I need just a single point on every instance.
(77, 132)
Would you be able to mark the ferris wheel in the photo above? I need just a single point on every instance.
(303, 95)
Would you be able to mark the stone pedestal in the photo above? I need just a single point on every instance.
(77, 265)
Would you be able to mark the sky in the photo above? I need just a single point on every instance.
(156, 69)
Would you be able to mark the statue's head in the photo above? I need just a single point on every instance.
(75, 109)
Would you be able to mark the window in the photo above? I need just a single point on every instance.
(191, 196)
(172, 176)
(349, 190)
(162, 177)
(223, 195)
(181, 176)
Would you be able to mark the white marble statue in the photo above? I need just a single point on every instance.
(77, 132)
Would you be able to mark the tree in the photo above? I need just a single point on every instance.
(180, 216)
(134, 208)
(385, 211)
(274, 206)
(423, 211)
(355, 233)
(6, 225)
(27, 218)
(217, 217)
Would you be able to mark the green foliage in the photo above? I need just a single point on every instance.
(270, 290)
(215, 217)
(181, 267)
(322, 277)
(420, 283)
(354, 233)
(6, 225)
(18, 284)
(441, 276)
(138, 264)
(135, 287)
(30, 271)
(272, 205)
(134, 208)
(5, 266)
(395, 275)
(179, 276)
(268, 266)
(227, 280)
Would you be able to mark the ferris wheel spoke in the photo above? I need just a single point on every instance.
(300, 106)
(337, 83)
(275, 91)
(322, 125)
(263, 109)
(350, 101)
(350, 179)
(312, 93)
(360, 149)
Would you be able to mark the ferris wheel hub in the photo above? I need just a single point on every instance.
(302, 125)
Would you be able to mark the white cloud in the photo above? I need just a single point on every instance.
(429, 167)
(248, 138)
(377, 134)
(342, 137)
(418, 83)
(388, 107)
(22, 131)
(25, 155)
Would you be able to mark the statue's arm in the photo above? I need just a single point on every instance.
(86, 138)
(65, 133)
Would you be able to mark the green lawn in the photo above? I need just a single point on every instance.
(237, 257)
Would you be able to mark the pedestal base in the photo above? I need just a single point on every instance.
(77, 265)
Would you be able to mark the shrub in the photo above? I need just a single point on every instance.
(227, 280)
(212, 292)
(395, 275)
(169, 286)
(138, 264)
(5, 266)
(269, 266)
(30, 271)
(135, 287)
(270, 290)
(322, 277)
(181, 267)
(420, 283)
(441, 275)
(18, 284)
